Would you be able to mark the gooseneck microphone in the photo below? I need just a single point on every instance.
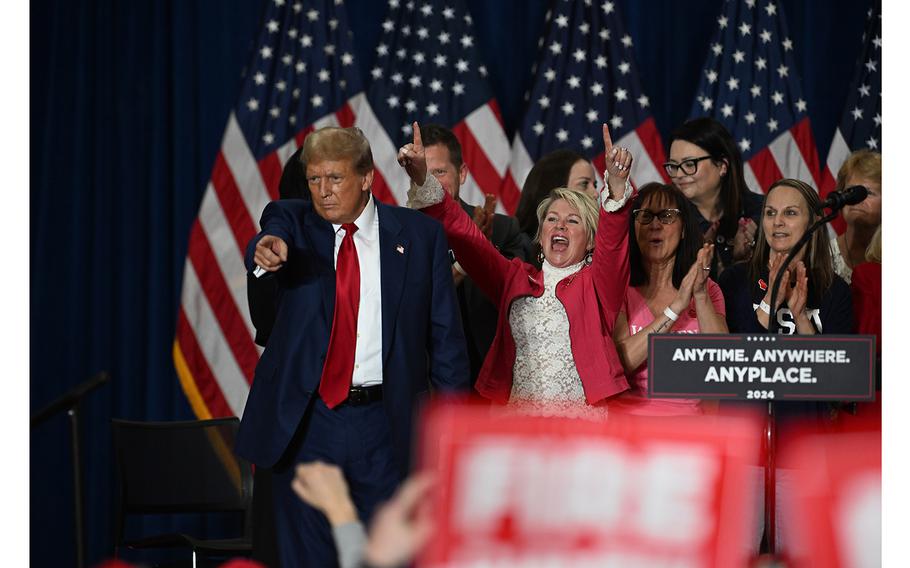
(848, 196)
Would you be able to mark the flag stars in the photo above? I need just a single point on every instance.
(467, 41)
(587, 142)
(287, 59)
(376, 72)
(550, 75)
(750, 3)
(388, 25)
(771, 9)
(801, 105)
(745, 29)
(482, 70)
(574, 82)
(732, 83)
(591, 115)
(872, 143)
(621, 94)
(755, 90)
(706, 103)
(739, 56)
(440, 60)
(616, 122)
(324, 75)
(744, 145)
(300, 67)
(268, 138)
(333, 23)
(562, 21)
(722, 22)
(419, 58)
(555, 48)
(458, 88)
(281, 86)
(562, 135)
(415, 81)
(584, 28)
(426, 10)
(579, 55)
(295, 93)
(444, 38)
(292, 120)
(877, 42)
(423, 33)
(462, 66)
(857, 113)
(863, 90)
(783, 71)
(544, 101)
(347, 59)
(712, 76)
(568, 109)
(435, 85)
(297, 7)
(538, 128)
(765, 36)
(292, 33)
(750, 117)
(626, 40)
(448, 13)
(772, 125)
(787, 44)
(253, 105)
(265, 52)
(643, 101)
(407, 130)
(624, 67)
(761, 63)
(777, 97)
(726, 110)
(316, 101)
(259, 78)
(607, 7)
(410, 105)
(312, 15)
(601, 61)
(877, 119)
(597, 89)
(432, 109)
(306, 40)
(393, 101)
(397, 78)
(401, 53)
(871, 65)
(717, 49)
(604, 34)
(272, 26)
(275, 112)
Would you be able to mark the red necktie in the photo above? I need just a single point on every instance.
(339, 361)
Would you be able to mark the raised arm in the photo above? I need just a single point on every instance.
(474, 252)
(611, 249)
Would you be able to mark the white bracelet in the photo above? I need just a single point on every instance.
(671, 314)
(763, 306)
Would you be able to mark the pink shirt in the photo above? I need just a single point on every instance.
(635, 400)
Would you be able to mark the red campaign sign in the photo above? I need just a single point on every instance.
(837, 512)
(629, 491)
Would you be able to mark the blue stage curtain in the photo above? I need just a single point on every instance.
(129, 102)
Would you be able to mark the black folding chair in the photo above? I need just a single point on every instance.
(177, 468)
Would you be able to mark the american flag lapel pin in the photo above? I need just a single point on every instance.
(400, 249)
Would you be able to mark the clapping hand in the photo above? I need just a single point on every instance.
(413, 158)
(774, 265)
(744, 240)
(619, 162)
(799, 293)
(694, 283)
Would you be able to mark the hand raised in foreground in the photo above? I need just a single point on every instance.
(322, 486)
(619, 164)
(403, 525)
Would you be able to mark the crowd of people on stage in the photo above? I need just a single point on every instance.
(551, 309)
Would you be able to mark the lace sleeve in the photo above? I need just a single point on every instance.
(430, 193)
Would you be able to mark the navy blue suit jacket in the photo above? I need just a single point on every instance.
(422, 338)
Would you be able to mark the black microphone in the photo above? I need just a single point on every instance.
(847, 196)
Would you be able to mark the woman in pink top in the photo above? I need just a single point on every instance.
(669, 292)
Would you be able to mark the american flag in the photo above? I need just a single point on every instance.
(586, 76)
(428, 68)
(301, 76)
(861, 125)
(751, 85)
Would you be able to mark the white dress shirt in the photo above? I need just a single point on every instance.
(368, 352)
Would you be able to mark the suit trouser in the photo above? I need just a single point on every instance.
(358, 440)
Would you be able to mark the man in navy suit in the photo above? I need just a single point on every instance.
(367, 319)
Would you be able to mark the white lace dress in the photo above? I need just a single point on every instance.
(544, 378)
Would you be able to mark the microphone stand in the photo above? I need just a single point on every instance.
(771, 430)
(69, 402)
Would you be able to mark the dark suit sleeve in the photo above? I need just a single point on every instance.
(262, 296)
(509, 239)
(279, 218)
(449, 370)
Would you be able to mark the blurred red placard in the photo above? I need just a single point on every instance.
(629, 491)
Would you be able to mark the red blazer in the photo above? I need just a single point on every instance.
(592, 298)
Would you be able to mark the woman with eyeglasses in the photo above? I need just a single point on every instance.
(706, 165)
(669, 292)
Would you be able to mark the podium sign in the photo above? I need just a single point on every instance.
(531, 492)
(762, 367)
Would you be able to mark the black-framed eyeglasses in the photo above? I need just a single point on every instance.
(688, 167)
(665, 216)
